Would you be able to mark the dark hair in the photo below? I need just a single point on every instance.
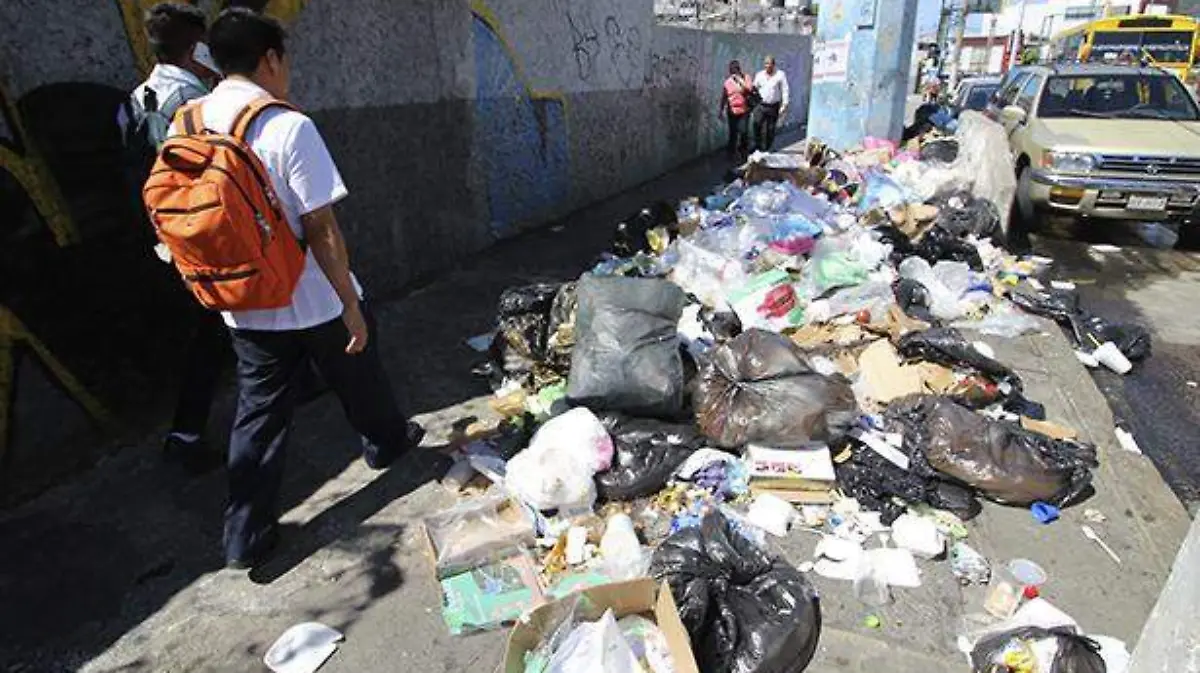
(255, 5)
(173, 30)
(240, 38)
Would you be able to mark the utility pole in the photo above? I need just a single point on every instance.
(991, 37)
(960, 31)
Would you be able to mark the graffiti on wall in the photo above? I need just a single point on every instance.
(520, 132)
(57, 148)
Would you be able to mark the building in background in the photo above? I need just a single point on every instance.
(749, 16)
(996, 39)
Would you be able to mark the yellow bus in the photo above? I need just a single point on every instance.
(1166, 41)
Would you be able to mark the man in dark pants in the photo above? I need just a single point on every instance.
(772, 87)
(327, 319)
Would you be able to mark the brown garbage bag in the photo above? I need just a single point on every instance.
(758, 389)
(1005, 462)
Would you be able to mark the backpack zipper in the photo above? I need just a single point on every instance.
(218, 277)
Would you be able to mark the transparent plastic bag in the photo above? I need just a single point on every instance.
(945, 282)
(706, 273)
(595, 647)
(831, 265)
(985, 160)
(557, 469)
(477, 531)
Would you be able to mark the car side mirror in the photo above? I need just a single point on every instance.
(1014, 115)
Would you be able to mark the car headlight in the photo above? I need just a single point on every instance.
(1069, 162)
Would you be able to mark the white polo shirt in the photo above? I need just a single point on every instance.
(305, 179)
(772, 88)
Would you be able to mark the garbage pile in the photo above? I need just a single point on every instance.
(793, 349)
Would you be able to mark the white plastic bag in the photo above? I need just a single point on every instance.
(946, 282)
(556, 470)
(595, 647)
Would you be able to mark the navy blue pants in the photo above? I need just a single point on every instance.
(267, 363)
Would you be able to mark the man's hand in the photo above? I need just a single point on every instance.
(356, 325)
(782, 112)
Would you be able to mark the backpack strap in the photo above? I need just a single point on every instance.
(243, 120)
(190, 118)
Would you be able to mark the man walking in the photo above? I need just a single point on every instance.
(183, 71)
(735, 106)
(327, 318)
(772, 87)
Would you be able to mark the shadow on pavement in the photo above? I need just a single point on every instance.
(94, 559)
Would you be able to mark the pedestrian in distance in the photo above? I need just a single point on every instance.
(735, 105)
(771, 84)
(298, 299)
(183, 71)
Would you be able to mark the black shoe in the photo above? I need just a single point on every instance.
(259, 555)
(382, 460)
(194, 458)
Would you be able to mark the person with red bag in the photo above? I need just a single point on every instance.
(736, 97)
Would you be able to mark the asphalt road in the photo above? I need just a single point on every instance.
(1159, 401)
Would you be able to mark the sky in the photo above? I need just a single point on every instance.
(927, 18)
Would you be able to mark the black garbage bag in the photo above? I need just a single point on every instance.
(1002, 460)
(1075, 654)
(1058, 305)
(877, 484)
(534, 333)
(939, 244)
(759, 389)
(647, 453)
(947, 346)
(723, 325)
(943, 150)
(745, 611)
(630, 235)
(626, 355)
(961, 214)
(913, 298)
(1132, 340)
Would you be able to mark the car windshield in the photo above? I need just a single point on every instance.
(979, 95)
(1164, 46)
(1119, 96)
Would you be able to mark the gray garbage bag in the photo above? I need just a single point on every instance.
(759, 389)
(626, 355)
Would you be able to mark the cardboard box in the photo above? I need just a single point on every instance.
(641, 596)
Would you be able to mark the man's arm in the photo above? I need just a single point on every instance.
(324, 237)
(786, 94)
(722, 103)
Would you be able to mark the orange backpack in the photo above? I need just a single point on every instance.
(211, 202)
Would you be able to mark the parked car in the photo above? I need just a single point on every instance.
(1010, 83)
(1103, 142)
(975, 93)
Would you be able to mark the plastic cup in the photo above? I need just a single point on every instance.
(1027, 572)
(1110, 356)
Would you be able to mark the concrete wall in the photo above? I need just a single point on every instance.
(455, 123)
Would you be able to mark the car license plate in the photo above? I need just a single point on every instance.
(1148, 203)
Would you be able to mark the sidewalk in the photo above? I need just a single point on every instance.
(120, 570)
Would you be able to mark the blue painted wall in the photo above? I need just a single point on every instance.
(871, 100)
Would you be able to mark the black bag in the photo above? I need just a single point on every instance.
(626, 355)
(647, 452)
(630, 236)
(745, 611)
(759, 389)
(1076, 653)
(947, 346)
(534, 336)
(1003, 461)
